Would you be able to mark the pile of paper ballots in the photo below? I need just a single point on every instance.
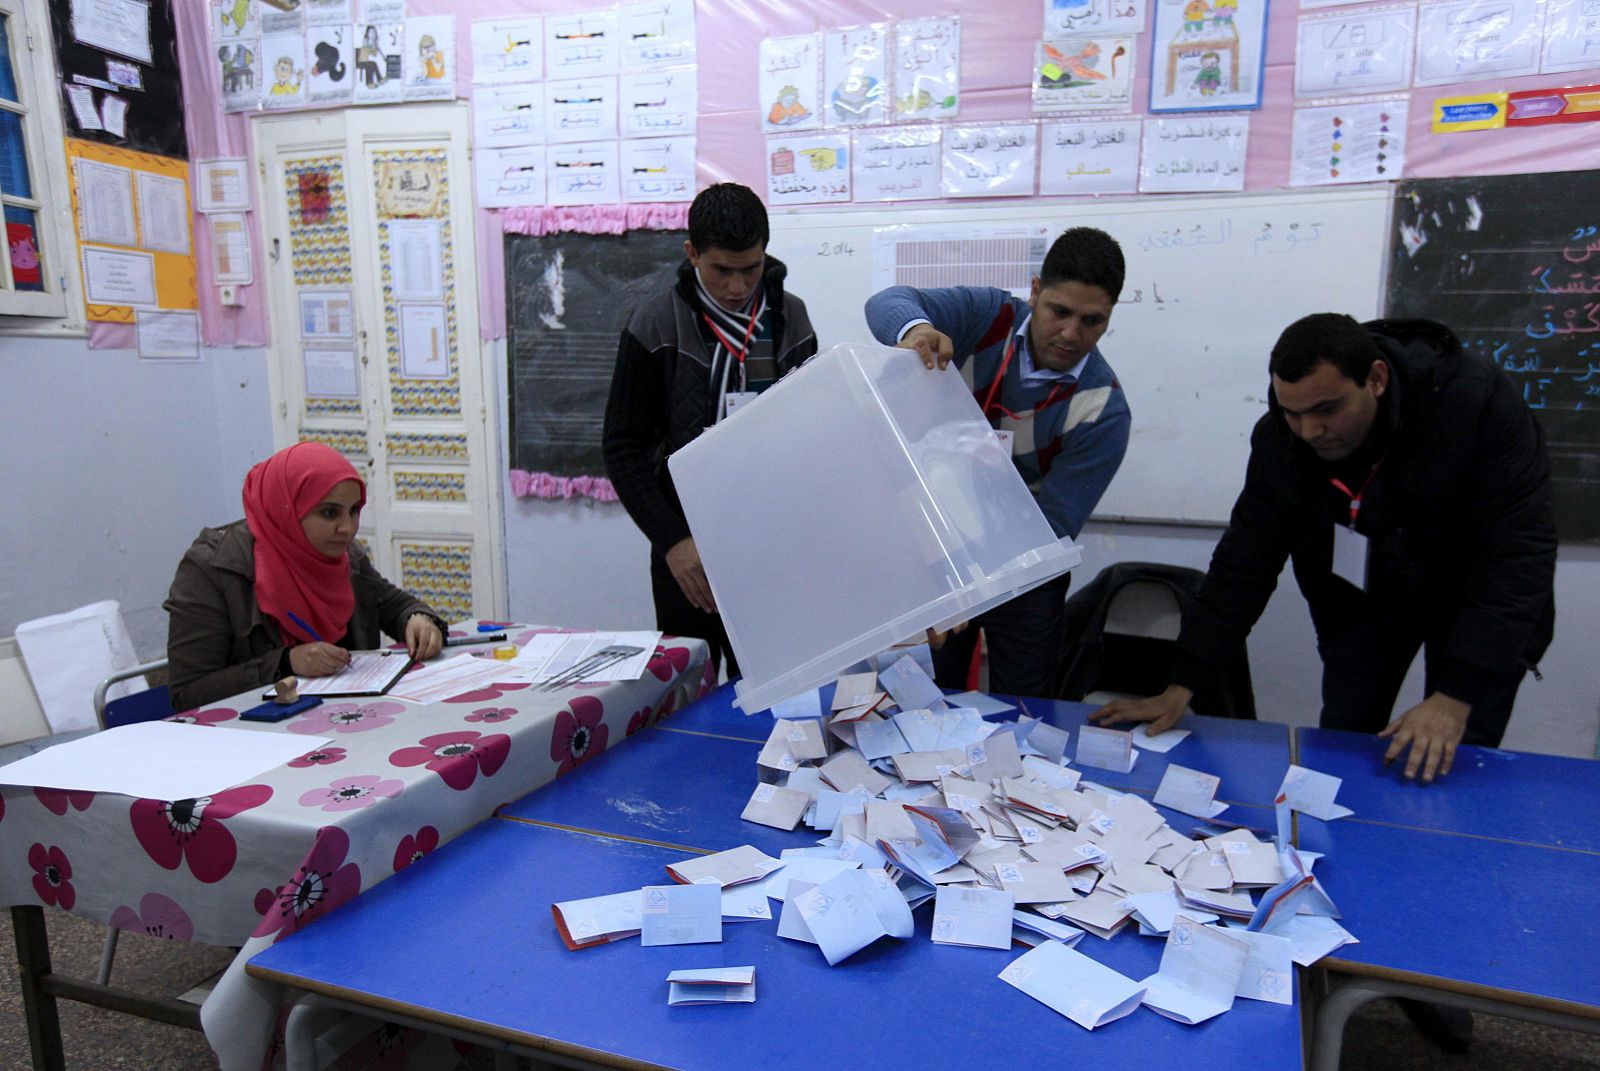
(920, 797)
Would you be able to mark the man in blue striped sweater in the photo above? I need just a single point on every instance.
(1036, 370)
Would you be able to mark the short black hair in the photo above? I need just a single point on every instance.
(1324, 336)
(728, 216)
(1085, 255)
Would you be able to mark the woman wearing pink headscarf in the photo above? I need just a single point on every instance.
(287, 590)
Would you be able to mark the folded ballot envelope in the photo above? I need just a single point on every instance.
(858, 502)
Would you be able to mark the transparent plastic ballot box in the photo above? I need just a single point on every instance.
(858, 502)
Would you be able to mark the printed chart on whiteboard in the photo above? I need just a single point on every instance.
(1003, 256)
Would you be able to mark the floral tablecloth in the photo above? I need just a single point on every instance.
(261, 859)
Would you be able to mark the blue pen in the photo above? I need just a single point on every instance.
(307, 629)
(493, 626)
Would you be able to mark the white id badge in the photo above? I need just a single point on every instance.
(1350, 556)
(1006, 438)
(738, 398)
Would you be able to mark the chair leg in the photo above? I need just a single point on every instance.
(107, 952)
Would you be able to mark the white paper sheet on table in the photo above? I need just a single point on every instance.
(551, 654)
(159, 760)
(450, 677)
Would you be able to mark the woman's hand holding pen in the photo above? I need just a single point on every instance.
(317, 659)
(423, 640)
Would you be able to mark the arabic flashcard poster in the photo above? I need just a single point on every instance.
(1207, 55)
(429, 68)
(990, 161)
(580, 109)
(808, 170)
(659, 103)
(790, 77)
(239, 73)
(927, 69)
(578, 45)
(1464, 40)
(658, 169)
(1571, 35)
(1366, 51)
(329, 13)
(1089, 157)
(278, 16)
(1083, 74)
(237, 20)
(1194, 155)
(380, 54)
(507, 50)
(897, 165)
(508, 115)
(855, 75)
(331, 64)
(284, 62)
(582, 174)
(508, 177)
(657, 34)
(1357, 141)
(1071, 18)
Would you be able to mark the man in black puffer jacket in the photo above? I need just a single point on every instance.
(1409, 484)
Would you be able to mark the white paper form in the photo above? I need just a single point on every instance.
(1311, 792)
(331, 373)
(113, 277)
(990, 161)
(581, 45)
(105, 203)
(790, 82)
(1356, 141)
(330, 64)
(163, 213)
(231, 262)
(424, 341)
(508, 115)
(448, 677)
(1464, 40)
(120, 26)
(1199, 972)
(658, 169)
(1190, 792)
(655, 104)
(1365, 51)
(1203, 153)
(415, 259)
(1571, 36)
(1089, 157)
(680, 915)
(159, 760)
(583, 173)
(430, 58)
(368, 673)
(1070, 982)
(507, 177)
(172, 336)
(980, 918)
(83, 107)
(808, 169)
(507, 50)
(562, 651)
(855, 75)
(222, 185)
(927, 69)
(656, 34)
(114, 114)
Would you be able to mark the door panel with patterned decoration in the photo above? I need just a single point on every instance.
(375, 345)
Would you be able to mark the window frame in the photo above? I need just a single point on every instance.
(58, 310)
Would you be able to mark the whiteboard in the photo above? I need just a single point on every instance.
(1212, 281)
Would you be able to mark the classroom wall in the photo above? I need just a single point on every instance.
(112, 465)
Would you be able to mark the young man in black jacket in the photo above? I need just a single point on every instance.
(689, 357)
(1409, 484)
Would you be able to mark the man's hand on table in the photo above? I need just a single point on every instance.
(1432, 729)
(1162, 711)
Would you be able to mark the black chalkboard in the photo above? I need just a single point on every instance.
(567, 298)
(154, 122)
(1512, 264)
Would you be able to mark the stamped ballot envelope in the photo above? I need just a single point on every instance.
(1084, 991)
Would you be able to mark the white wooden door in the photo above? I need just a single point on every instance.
(375, 348)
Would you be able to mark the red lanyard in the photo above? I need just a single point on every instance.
(1355, 496)
(1005, 362)
(755, 315)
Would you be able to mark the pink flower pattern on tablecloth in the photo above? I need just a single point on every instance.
(640, 719)
(209, 716)
(580, 733)
(57, 800)
(493, 690)
(352, 793)
(457, 757)
(52, 876)
(192, 829)
(323, 882)
(668, 662)
(322, 756)
(492, 714)
(346, 717)
(411, 848)
(158, 916)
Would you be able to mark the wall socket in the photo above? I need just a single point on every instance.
(228, 295)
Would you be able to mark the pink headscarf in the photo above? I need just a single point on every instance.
(291, 574)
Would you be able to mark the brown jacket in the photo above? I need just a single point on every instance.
(218, 642)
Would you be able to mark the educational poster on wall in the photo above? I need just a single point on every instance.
(132, 213)
(1464, 40)
(791, 74)
(580, 109)
(511, 176)
(1087, 157)
(239, 73)
(658, 169)
(990, 161)
(1571, 36)
(1194, 155)
(1365, 51)
(1083, 74)
(380, 58)
(330, 12)
(657, 34)
(855, 74)
(284, 60)
(659, 103)
(808, 169)
(1069, 18)
(927, 69)
(410, 187)
(584, 173)
(902, 164)
(119, 73)
(507, 50)
(330, 64)
(504, 115)
(429, 68)
(1207, 55)
(581, 45)
(1354, 141)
